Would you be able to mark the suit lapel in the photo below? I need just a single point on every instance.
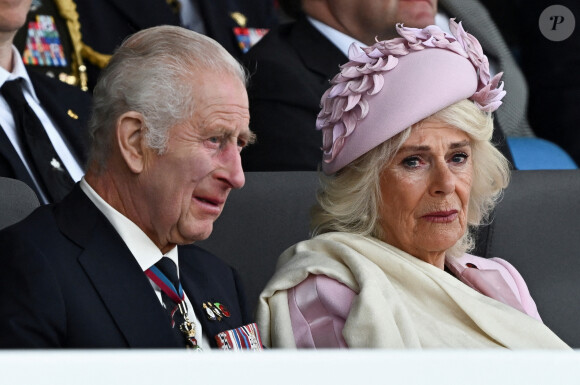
(115, 274)
(316, 51)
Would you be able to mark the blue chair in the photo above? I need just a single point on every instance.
(539, 154)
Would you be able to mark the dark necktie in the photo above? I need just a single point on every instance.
(164, 274)
(168, 268)
(43, 160)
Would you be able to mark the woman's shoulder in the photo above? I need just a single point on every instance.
(319, 306)
(486, 263)
(509, 274)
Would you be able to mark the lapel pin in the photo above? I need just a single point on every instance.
(215, 310)
(72, 114)
(223, 310)
(56, 164)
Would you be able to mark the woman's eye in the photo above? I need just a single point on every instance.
(459, 158)
(412, 161)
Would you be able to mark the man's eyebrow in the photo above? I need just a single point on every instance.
(249, 137)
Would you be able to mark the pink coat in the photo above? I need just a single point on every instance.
(319, 305)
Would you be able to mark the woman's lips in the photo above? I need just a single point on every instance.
(441, 216)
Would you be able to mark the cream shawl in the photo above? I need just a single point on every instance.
(402, 301)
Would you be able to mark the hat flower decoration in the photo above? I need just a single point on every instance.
(346, 103)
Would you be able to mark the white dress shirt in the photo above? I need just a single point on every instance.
(143, 249)
(7, 122)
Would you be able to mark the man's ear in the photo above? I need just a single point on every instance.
(131, 140)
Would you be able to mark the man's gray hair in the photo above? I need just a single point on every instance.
(151, 73)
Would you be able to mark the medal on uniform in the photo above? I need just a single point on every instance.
(209, 312)
(43, 45)
(245, 337)
(212, 312)
(188, 328)
(223, 310)
(246, 37)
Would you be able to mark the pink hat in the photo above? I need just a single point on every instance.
(396, 83)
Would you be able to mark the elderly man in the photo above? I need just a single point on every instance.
(96, 270)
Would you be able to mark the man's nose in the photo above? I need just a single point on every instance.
(232, 171)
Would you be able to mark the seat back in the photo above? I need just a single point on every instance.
(17, 200)
(260, 221)
(536, 227)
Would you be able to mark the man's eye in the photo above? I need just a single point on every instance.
(214, 139)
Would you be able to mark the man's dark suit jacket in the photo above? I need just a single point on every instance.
(106, 23)
(290, 70)
(68, 280)
(57, 99)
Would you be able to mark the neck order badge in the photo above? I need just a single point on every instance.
(177, 296)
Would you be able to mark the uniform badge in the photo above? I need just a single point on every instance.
(223, 310)
(43, 46)
(243, 338)
(247, 37)
(215, 311)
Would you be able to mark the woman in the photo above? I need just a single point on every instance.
(410, 173)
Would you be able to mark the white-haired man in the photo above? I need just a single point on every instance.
(170, 117)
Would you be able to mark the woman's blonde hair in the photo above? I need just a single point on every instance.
(350, 200)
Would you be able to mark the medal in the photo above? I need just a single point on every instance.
(188, 329)
(224, 311)
(177, 296)
(209, 312)
(248, 37)
(246, 337)
(215, 310)
(213, 313)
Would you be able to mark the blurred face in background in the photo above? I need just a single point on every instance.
(13, 14)
(366, 20)
(417, 13)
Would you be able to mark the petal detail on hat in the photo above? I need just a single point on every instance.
(488, 98)
(345, 103)
(352, 101)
